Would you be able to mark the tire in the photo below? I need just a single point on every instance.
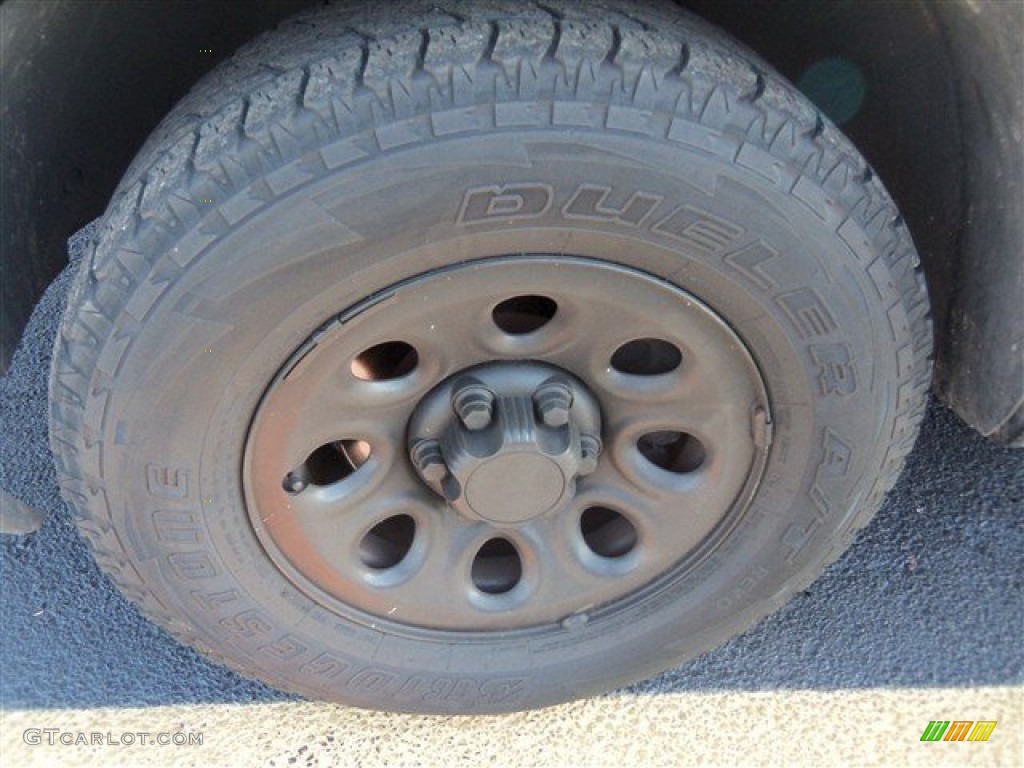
(346, 165)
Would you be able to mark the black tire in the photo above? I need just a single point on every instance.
(329, 160)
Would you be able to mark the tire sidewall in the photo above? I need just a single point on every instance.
(246, 297)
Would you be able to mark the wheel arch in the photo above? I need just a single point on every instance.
(937, 123)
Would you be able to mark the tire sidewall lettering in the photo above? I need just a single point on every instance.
(685, 238)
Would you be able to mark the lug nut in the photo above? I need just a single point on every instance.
(590, 449)
(426, 456)
(474, 404)
(450, 488)
(553, 399)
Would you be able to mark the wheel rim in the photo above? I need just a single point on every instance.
(345, 464)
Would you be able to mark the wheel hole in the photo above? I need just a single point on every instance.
(524, 314)
(330, 463)
(383, 362)
(607, 532)
(646, 357)
(497, 567)
(676, 452)
(388, 542)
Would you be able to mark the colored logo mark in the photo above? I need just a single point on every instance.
(958, 730)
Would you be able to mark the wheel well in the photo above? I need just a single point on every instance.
(67, 140)
(940, 123)
(84, 85)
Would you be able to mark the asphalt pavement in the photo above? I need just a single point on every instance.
(921, 620)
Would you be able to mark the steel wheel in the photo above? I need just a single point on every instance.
(384, 490)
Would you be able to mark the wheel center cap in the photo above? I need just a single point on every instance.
(505, 442)
(515, 487)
